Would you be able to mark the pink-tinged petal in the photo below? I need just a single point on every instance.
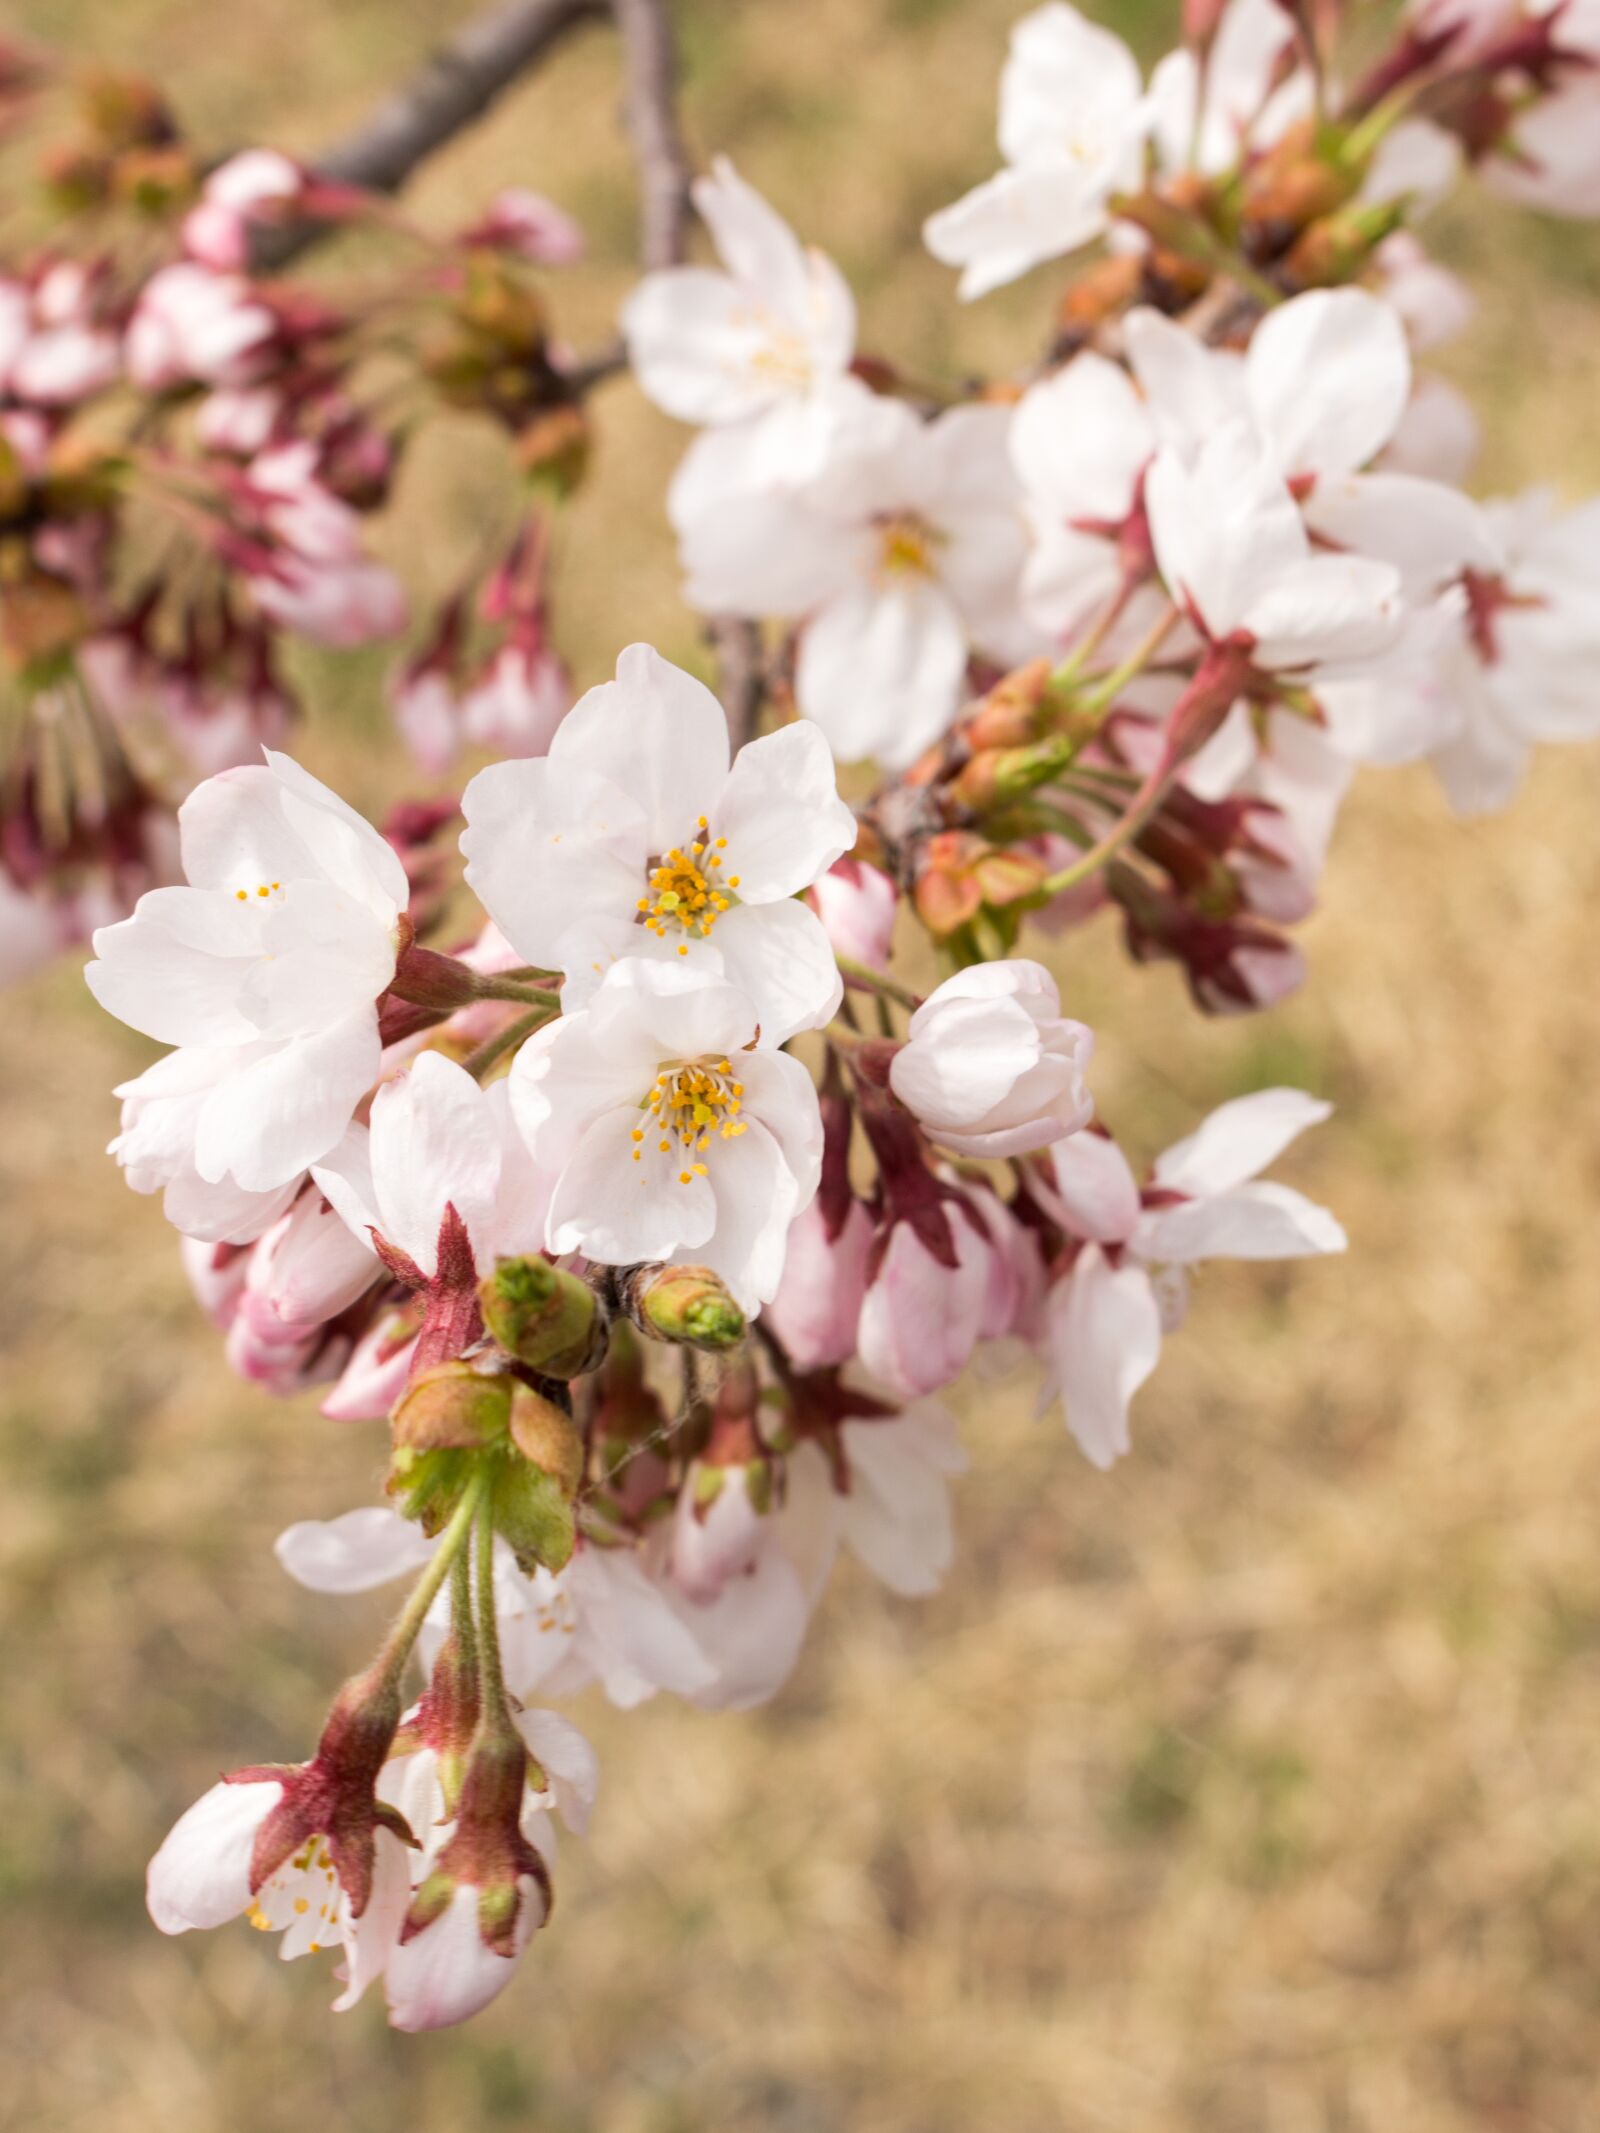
(881, 670)
(1238, 1140)
(568, 1074)
(1329, 376)
(920, 1320)
(1086, 1183)
(201, 1875)
(354, 1552)
(656, 734)
(1256, 1221)
(447, 1973)
(780, 957)
(347, 850)
(782, 816)
(433, 1144)
(285, 1111)
(522, 1195)
(545, 840)
(1104, 1334)
(568, 1762)
(344, 1178)
(818, 1305)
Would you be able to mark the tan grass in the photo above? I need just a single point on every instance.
(1249, 1790)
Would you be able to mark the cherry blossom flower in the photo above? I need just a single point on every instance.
(54, 350)
(1124, 1288)
(990, 1066)
(635, 837)
(670, 1136)
(192, 325)
(904, 554)
(1072, 130)
(761, 344)
(437, 1140)
(529, 226)
(237, 195)
(857, 905)
(222, 1860)
(265, 970)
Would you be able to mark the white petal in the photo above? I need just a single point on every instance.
(782, 816)
(881, 671)
(568, 1762)
(658, 735)
(1014, 221)
(544, 841)
(1256, 1221)
(780, 956)
(616, 1210)
(1105, 1339)
(1090, 1188)
(1080, 440)
(446, 1973)
(289, 1107)
(433, 1142)
(201, 1874)
(353, 1552)
(1329, 376)
(1238, 1140)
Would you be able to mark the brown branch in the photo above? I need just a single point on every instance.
(741, 672)
(455, 86)
(650, 70)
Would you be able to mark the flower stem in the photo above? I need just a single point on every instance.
(1142, 806)
(493, 1049)
(397, 1645)
(864, 975)
(492, 1713)
(1110, 686)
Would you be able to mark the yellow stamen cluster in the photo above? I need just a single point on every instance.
(263, 888)
(906, 545)
(687, 890)
(312, 1858)
(687, 1106)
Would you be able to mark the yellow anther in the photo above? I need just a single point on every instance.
(302, 1904)
(685, 1175)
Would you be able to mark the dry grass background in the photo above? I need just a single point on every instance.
(1252, 1789)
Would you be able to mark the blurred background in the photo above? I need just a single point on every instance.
(1253, 1786)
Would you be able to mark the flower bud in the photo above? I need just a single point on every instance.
(453, 1408)
(856, 904)
(488, 1894)
(991, 1066)
(686, 1304)
(544, 1316)
(718, 1525)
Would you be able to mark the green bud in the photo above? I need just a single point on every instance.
(428, 1484)
(544, 1316)
(452, 1407)
(430, 1901)
(689, 1304)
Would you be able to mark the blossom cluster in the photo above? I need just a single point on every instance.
(194, 452)
(654, 1206)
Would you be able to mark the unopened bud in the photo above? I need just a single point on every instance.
(544, 1316)
(1340, 247)
(553, 449)
(688, 1304)
(1011, 714)
(452, 1408)
(999, 777)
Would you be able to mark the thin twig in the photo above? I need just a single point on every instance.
(741, 672)
(650, 113)
(455, 86)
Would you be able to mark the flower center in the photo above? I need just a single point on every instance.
(906, 545)
(688, 891)
(689, 1107)
(304, 1892)
(263, 889)
(783, 358)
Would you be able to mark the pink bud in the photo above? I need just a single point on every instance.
(856, 904)
(718, 1527)
(818, 1305)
